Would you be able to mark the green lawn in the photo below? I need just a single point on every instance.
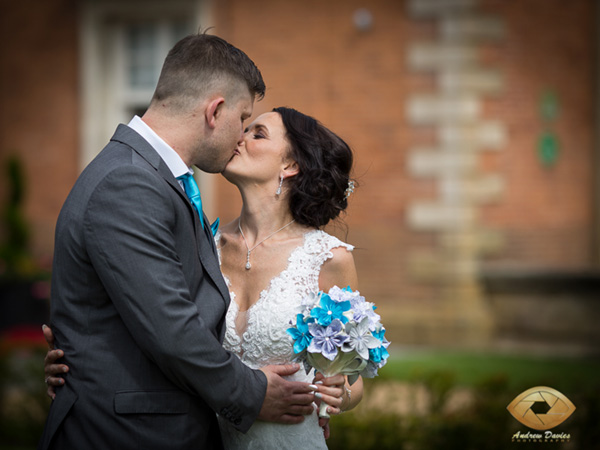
(471, 368)
(492, 380)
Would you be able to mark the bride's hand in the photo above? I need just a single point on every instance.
(331, 391)
(324, 423)
(51, 369)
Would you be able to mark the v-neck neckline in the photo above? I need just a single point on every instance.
(264, 292)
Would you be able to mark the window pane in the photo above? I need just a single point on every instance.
(179, 30)
(142, 45)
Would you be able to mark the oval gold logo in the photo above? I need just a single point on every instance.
(541, 408)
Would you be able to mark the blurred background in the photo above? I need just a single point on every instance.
(476, 133)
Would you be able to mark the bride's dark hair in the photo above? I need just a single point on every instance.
(317, 194)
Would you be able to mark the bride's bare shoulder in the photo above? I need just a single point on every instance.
(338, 270)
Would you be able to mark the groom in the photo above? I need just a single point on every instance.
(138, 300)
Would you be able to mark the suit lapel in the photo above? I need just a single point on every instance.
(208, 252)
(204, 241)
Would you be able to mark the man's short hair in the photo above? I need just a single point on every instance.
(198, 64)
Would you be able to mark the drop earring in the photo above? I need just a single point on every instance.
(280, 184)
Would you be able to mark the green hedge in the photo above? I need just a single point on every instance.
(23, 401)
(482, 424)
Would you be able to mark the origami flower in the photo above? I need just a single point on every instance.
(363, 309)
(326, 340)
(360, 339)
(330, 310)
(341, 295)
(379, 354)
(340, 319)
(300, 334)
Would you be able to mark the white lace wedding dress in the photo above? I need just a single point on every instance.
(266, 342)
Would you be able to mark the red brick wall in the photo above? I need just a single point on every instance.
(39, 106)
(547, 212)
(313, 58)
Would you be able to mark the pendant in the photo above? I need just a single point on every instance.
(248, 265)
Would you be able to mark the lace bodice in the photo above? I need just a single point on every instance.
(265, 340)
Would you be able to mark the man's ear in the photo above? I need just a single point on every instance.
(213, 110)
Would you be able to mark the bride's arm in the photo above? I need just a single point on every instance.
(353, 395)
(340, 271)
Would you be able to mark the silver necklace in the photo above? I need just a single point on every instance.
(248, 265)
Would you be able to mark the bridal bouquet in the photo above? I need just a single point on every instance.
(339, 333)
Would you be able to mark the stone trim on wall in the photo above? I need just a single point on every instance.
(454, 110)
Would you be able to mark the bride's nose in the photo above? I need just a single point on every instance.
(241, 139)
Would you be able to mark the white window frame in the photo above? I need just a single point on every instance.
(104, 101)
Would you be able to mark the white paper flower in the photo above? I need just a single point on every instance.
(360, 339)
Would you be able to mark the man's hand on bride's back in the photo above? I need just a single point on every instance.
(285, 401)
(53, 371)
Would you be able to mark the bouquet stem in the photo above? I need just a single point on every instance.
(323, 414)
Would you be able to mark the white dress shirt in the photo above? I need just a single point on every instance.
(166, 152)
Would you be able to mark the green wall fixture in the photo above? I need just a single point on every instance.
(548, 149)
(549, 106)
(548, 146)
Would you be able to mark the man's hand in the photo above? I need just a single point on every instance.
(285, 401)
(52, 370)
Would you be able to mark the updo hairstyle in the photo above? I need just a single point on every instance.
(317, 194)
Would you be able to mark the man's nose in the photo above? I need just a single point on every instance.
(241, 138)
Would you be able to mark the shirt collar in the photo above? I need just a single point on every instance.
(166, 152)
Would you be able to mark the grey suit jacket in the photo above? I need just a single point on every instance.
(138, 305)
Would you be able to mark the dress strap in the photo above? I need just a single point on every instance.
(317, 248)
(319, 243)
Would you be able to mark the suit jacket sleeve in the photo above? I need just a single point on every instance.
(129, 233)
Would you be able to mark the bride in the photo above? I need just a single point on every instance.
(294, 178)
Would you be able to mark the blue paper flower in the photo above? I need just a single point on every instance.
(338, 332)
(330, 310)
(326, 340)
(300, 334)
(379, 354)
(379, 334)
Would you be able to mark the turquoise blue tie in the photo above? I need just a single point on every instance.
(191, 189)
(215, 226)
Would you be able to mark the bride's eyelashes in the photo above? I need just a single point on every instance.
(256, 135)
